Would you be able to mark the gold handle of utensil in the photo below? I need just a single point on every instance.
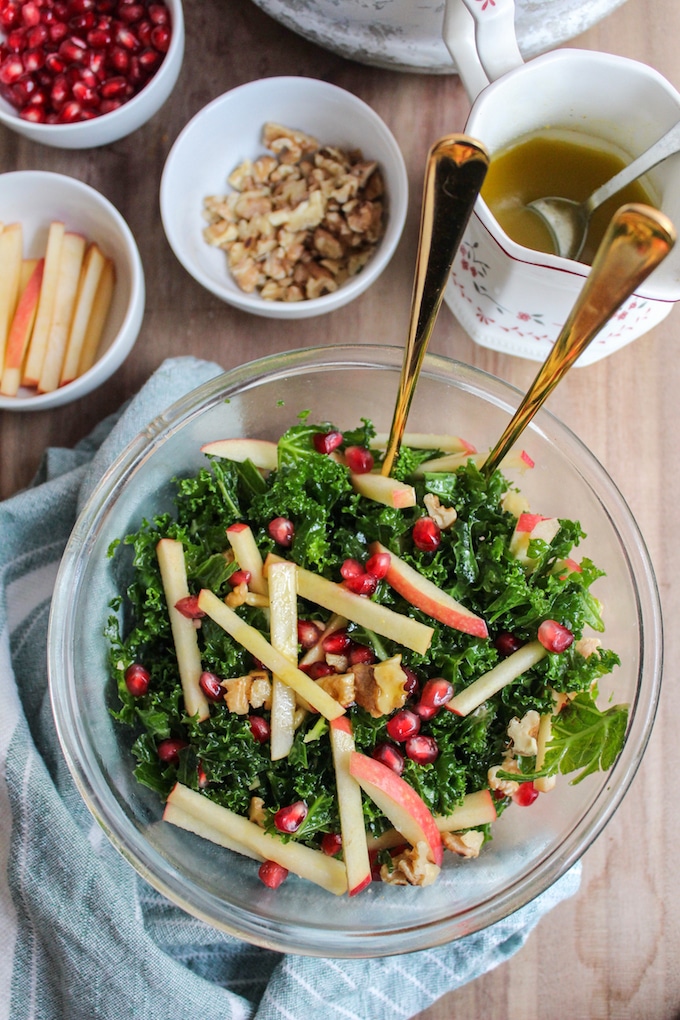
(637, 240)
(456, 167)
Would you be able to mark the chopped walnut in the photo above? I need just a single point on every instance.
(256, 812)
(340, 686)
(587, 646)
(411, 867)
(379, 688)
(245, 692)
(444, 516)
(504, 786)
(299, 222)
(465, 844)
(523, 733)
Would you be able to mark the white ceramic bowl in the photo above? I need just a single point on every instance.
(35, 198)
(121, 122)
(229, 130)
(531, 848)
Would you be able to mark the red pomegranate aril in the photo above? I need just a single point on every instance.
(272, 874)
(282, 531)
(60, 91)
(436, 692)
(10, 16)
(127, 39)
(96, 62)
(202, 779)
(131, 13)
(149, 60)
(11, 70)
(326, 442)
(390, 756)
(507, 643)
(160, 38)
(82, 22)
(61, 11)
(378, 564)
(70, 112)
(240, 577)
(58, 30)
(136, 74)
(331, 843)
(137, 680)
(259, 727)
(81, 6)
(351, 568)
(30, 14)
(16, 41)
(119, 59)
(33, 113)
(359, 460)
(360, 653)
(33, 60)
(159, 14)
(168, 750)
(22, 91)
(362, 584)
(291, 817)
(211, 685)
(308, 633)
(402, 725)
(73, 49)
(526, 794)
(316, 670)
(411, 684)
(99, 38)
(421, 749)
(36, 37)
(554, 636)
(143, 30)
(426, 534)
(425, 712)
(55, 63)
(114, 88)
(109, 105)
(187, 606)
(336, 643)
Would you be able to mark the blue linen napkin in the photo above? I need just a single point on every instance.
(83, 937)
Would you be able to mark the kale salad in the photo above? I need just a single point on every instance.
(345, 675)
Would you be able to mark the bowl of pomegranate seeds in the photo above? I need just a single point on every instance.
(72, 295)
(82, 73)
(285, 197)
(323, 726)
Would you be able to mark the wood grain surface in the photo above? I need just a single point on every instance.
(614, 949)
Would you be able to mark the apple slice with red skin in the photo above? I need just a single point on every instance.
(248, 556)
(476, 809)
(262, 452)
(193, 811)
(20, 332)
(383, 489)
(352, 824)
(426, 596)
(490, 683)
(399, 802)
(528, 528)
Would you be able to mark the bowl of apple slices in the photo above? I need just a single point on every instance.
(343, 713)
(71, 293)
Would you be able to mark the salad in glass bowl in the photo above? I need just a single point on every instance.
(278, 675)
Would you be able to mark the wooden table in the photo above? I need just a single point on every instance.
(613, 950)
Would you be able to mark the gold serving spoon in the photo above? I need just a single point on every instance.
(456, 167)
(637, 240)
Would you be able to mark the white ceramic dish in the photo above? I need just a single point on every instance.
(35, 198)
(405, 36)
(229, 130)
(121, 122)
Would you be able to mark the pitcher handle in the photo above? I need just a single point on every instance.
(480, 35)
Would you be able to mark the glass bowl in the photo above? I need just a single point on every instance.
(532, 847)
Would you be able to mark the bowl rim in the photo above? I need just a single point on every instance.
(551, 863)
(253, 303)
(126, 337)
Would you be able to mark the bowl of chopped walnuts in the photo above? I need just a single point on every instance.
(285, 197)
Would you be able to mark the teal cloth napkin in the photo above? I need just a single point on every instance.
(82, 936)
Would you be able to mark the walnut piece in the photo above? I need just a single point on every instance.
(523, 733)
(411, 867)
(465, 844)
(444, 516)
(245, 692)
(300, 222)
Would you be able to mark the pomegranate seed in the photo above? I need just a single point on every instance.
(309, 633)
(402, 725)
(81, 6)
(60, 91)
(554, 636)
(240, 577)
(10, 16)
(119, 59)
(17, 41)
(159, 14)
(389, 755)
(30, 14)
(378, 564)
(375, 866)
(137, 680)
(282, 531)
(70, 113)
(337, 643)
(149, 60)
(331, 843)
(203, 780)
(36, 37)
(326, 442)
(361, 584)
(351, 568)
(135, 74)
(99, 38)
(168, 750)
(160, 38)
(187, 606)
(11, 70)
(272, 874)
(291, 817)
(55, 63)
(526, 794)
(23, 91)
(211, 685)
(73, 50)
(143, 29)
(58, 30)
(421, 749)
(436, 692)
(131, 13)
(109, 105)
(361, 653)
(114, 88)
(425, 712)
(317, 669)
(359, 460)
(96, 62)
(82, 22)
(411, 684)
(127, 39)
(426, 534)
(259, 727)
(34, 114)
(507, 643)
(33, 60)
